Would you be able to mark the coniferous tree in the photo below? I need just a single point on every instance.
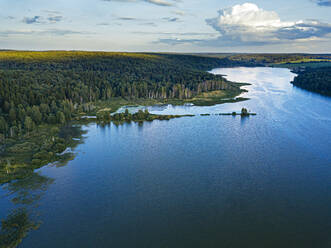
(28, 123)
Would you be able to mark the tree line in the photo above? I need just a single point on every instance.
(315, 79)
(52, 87)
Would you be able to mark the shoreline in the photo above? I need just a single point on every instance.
(29, 152)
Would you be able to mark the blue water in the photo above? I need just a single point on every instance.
(204, 181)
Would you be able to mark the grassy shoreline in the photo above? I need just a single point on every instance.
(48, 143)
(209, 98)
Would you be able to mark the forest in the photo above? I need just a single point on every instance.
(42, 92)
(315, 79)
(52, 87)
(268, 59)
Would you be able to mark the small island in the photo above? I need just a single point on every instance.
(244, 113)
(140, 116)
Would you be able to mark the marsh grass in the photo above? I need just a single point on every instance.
(16, 227)
(35, 149)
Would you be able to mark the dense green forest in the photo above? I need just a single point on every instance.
(315, 79)
(52, 87)
(42, 91)
(263, 59)
(139, 116)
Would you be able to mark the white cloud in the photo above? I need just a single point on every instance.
(249, 23)
(248, 14)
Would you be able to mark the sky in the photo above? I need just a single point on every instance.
(167, 25)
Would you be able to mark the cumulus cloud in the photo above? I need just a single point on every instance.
(323, 2)
(155, 2)
(247, 24)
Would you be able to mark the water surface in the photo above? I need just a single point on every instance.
(204, 181)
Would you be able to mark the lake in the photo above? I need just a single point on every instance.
(203, 181)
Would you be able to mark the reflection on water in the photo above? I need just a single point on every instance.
(206, 181)
(24, 195)
(15, 227)
(28, 191)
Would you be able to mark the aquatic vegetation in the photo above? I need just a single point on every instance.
(140, 116)
(40, 147)
(16, 227)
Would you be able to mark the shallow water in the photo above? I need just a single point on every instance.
(204, 181)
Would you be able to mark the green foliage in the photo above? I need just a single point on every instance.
(103, 115)
(55, 87)
(15, 228)
(268, 58)
(60, 118)
(36, 115)
(315, 79)
(28, 123)
(12, 115)
(35, 149)
(244, 112)
(140, 116)
(3, 125)
(26, 193)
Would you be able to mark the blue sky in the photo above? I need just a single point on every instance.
(167, 25)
